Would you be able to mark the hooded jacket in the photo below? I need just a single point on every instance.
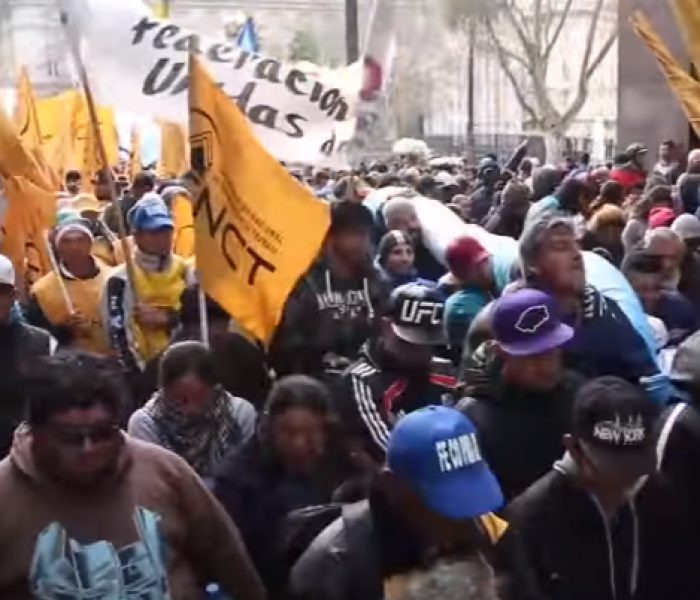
(153, 520)
(560, 544)
(678, 453)
(520, 431)
(373, 394)
(326, 315)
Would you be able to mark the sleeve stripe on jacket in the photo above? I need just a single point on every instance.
(369, 414)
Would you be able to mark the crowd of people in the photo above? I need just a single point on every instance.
(420, 426)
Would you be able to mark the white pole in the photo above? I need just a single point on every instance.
(203, 320)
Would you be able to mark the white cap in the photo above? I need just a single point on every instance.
(7, 271)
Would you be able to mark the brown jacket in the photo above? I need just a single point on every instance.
(154, 516)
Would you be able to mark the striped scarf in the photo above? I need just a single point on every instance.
(202, 439)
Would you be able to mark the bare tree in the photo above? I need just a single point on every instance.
(524, 35)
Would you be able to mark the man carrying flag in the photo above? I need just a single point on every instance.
(257, 229)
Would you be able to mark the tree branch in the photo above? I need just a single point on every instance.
(557, 32)
(588, 67)
(501, 54)
(602, 53)
(590, 36)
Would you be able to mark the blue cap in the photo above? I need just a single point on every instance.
(528, 322)
(150, 214)
(435, 452)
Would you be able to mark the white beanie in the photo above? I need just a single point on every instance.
(73, 227)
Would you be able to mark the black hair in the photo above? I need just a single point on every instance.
(643, 262)
(298, 391)
(144, 179)
(669, 142)
(569, 194)
(73, 175)
(187, 358)
(426, 185)
(612, 192)
(347, 216)
(72, 380)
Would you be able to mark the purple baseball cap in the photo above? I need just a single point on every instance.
(528, 322)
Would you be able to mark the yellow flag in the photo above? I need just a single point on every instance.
(134, 167)
(86, 152)
(183, 225)
(56, 122)
(161, 10)
(30, 212)
(26, 115)
(685, 88)
(16, 160)
(257, 228)
(174, 151)
(687, 14)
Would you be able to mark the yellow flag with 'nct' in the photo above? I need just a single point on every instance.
(685, 88)
(257, 228)
(174, 153)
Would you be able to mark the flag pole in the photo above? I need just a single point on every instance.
(107, 170)
(57, 271)
(203, 317)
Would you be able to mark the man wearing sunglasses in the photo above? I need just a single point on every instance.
(601, 524)
(89, 512)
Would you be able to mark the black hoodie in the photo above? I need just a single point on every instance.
(560, 545)
(326, 315)
(520, 431)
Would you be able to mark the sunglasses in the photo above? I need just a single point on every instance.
(79, 437)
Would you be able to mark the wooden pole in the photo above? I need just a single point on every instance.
(57, 270)
(107, 170)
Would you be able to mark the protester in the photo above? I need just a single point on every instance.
(106, 245)
(21, 345)
(430, 503)
(687, 228)
(603, 234)
(632, 172)
(605, 342)
(521, 400)
(611, 192)
(395, 258)
(140, 315)
(644, 271)
(668, 246)
(668, 167)
(397, 371)
(67, 303)
(509, 217)
(292, 462)
(678, 448)
(689, 183)
(73, 182)
(399, 213)
(600, 524)
(545, 180)
(333, 309)
(570, 199)
(191, 414)
(482, 200)
(96, 504)
(142, 184)
(638, 223)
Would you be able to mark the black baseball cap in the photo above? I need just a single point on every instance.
(417, 311)
(615, 423)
